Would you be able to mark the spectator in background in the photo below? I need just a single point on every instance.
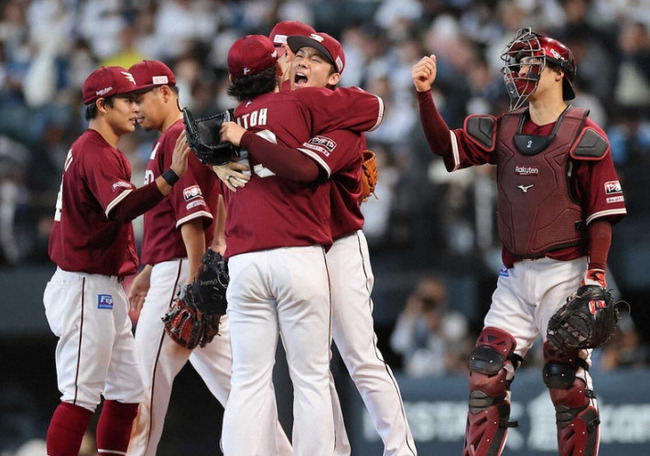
(432, 339)
(633, 86)
(625, 350)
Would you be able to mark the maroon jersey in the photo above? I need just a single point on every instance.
(96, 177)
(270, 212)
(195, 195)
(594, 183)
(339, 154)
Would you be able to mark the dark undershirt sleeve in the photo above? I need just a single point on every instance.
(435, 128)
(283, 161)
(599, 234)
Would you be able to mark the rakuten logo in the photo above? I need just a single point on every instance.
(525, 170)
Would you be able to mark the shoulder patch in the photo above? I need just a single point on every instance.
(482, 130)
(590, 145)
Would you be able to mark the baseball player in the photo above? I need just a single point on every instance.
(278, 273)
(93, 246)
(319, 61)
(279, 34)
(558, 197)
(176, 233)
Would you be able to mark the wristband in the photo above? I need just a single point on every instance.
(170, 177)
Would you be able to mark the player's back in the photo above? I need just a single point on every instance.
(270, 212)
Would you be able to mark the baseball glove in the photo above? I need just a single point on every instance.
(204, 138)
(368, 175)
(210, 286)
(587, 320)
(186, 325)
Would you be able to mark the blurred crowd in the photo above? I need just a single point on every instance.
(48, 47)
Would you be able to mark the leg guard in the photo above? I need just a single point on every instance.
(576, 411)
(492, 364)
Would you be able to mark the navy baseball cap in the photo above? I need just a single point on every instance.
(324, 43)
(250, 55)
(106, 82)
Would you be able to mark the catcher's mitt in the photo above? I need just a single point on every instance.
(587, 320)
(186, 325)
(368, 174)
(204, 138)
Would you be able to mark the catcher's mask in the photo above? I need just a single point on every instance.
(536, 52)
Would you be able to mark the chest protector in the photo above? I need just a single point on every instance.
(536, 212)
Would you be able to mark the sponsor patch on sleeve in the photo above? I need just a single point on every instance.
(196, 203)
(612, 187)
(192, 192)
(122, 184)
(321, 144)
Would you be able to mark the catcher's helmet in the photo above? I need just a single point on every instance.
(538, 52)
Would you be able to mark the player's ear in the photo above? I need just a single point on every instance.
(333, 79)
(278, 69)
(101, 104)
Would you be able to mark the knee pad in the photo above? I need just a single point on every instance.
(492, 363)
(491, 372)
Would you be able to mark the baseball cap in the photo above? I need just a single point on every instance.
(284, 29)
(151, 73)
(250, 55)
(324, 43)
(107, 81)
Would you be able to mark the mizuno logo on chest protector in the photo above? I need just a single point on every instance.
(525, 188)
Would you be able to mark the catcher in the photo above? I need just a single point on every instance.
(558, 197)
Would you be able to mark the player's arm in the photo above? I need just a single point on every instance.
(219, 238)
(194, 240)
(140, 288)
(285, 162)
(599, 241)
(435, 128)
(347, 108)
(459, 148)
(140, 200)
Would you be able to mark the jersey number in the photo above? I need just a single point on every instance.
(59, 197)
(260, 170)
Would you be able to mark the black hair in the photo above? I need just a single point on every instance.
(91, 108)
(248, 87)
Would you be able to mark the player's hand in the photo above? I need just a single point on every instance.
(233, 174)
(232, 131)
(423, 73)
(139, 288)
(180, 155)
(594, 277)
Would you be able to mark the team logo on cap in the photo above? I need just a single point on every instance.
(128, 76)
(103, 92)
